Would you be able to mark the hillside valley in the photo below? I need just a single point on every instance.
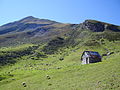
(41, 54)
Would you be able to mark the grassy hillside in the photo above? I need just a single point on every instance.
(8, 55)
(49, 57)
(53, 73)
(36, 36)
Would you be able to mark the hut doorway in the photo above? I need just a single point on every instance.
(87, 60)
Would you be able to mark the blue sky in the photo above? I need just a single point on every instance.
(66, 11)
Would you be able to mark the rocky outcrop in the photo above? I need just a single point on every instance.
(113, 28)
(97, 26)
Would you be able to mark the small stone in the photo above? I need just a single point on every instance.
(24, 84)
(48, 77)
(49, 84)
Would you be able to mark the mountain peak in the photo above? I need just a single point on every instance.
(31, 19)
(28, 18)
(27, 23)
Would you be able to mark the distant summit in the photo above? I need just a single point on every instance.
(27, 23)
(31, 19)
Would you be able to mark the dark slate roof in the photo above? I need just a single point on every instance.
(92, 54)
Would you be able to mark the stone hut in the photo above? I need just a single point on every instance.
(90, 57)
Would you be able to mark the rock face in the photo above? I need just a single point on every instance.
(97, 26)
(113, 27)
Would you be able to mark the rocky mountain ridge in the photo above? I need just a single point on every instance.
(97, 26)
(35, 30)
(28, 23)
(32, 23)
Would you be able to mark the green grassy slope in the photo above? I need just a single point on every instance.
(56, 65)
(66, 74)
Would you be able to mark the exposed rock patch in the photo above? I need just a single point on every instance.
(97, 26)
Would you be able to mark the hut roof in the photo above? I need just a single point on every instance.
(92, 54)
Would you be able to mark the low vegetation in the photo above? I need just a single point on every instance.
(53, 61)
(8, 55)
(61, 69)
